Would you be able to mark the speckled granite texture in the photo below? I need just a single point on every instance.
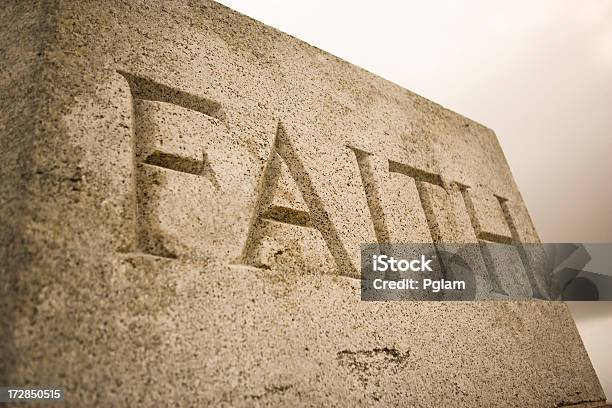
(183, 195)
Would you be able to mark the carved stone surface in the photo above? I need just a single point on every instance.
(184, 194)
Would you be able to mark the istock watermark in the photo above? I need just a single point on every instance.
(383, 263)
(486, 271)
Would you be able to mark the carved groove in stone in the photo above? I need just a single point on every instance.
(428, 209)
(537, 292)
(417, 174)
(381, 229)
(287, 216)
(480, 234)
(148, 238)
(492, 271)
(420, 177)
(147, 89)
(183, 165)
(483, 239)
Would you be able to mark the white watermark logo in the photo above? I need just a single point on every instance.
(384, 263)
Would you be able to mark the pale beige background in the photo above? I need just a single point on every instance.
(538, 72)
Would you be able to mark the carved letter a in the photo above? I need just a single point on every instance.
(286, 200)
